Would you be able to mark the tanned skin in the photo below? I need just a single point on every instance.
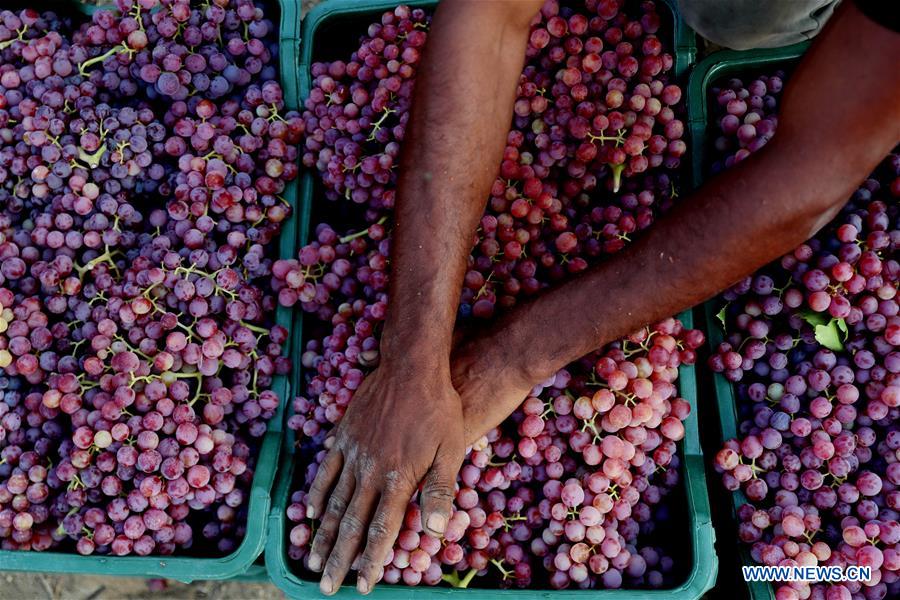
(840, 116)
(413, 416)
(406, 423)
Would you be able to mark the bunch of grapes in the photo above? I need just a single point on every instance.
(595, 102)
(566, 492)
(596, 99)
(233, 164)
(527, 242)
(746, 117)
(590, 160)
(332, 270)
(172, 50)
(357, 111)
(812, 344)
(137, 345)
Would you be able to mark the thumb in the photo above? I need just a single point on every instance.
(437, 492)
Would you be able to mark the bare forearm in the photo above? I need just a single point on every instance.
(840, 117)
(732, 227)
(462, 109)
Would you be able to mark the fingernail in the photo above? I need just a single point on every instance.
(362, 586)
(436, 523)
(310, 512)
(326, 585)
(315, 563)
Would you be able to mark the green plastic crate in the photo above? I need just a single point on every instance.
(709, 71)
(239, 563)
(289, 51)
(332, 13)
(714, 68)
(255, 573)
(89, 7)
(320, 28)
(700, 578)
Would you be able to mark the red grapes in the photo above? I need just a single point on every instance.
(811, 344)
(137, 345)
(567, 492)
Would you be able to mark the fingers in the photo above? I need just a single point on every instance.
(337, 506)
(350, 537)
(325, 477)
(382, 533)
(436, 499)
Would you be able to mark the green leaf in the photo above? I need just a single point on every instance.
(813, 318)
(721, 316)
(829, 336)
(842, 325)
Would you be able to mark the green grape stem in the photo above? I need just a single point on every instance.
(20, 37)
(123, 47)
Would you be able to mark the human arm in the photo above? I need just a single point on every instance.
(840, 116)
(405, 422)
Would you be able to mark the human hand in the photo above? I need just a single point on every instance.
(404, 425)
(489, 377)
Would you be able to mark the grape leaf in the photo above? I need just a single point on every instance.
(829, 336)
(813, 318)
(721, 316)
(842, 325)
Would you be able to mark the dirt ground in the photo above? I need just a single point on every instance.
(27, 586)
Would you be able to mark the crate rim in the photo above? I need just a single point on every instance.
(713, 67)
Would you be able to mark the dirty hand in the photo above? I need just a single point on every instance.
(404, 426)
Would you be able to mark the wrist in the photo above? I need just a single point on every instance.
(413, 366)
(417, 358)
(523, 349)
(487, 363)
(490, 384)
(423, 348)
